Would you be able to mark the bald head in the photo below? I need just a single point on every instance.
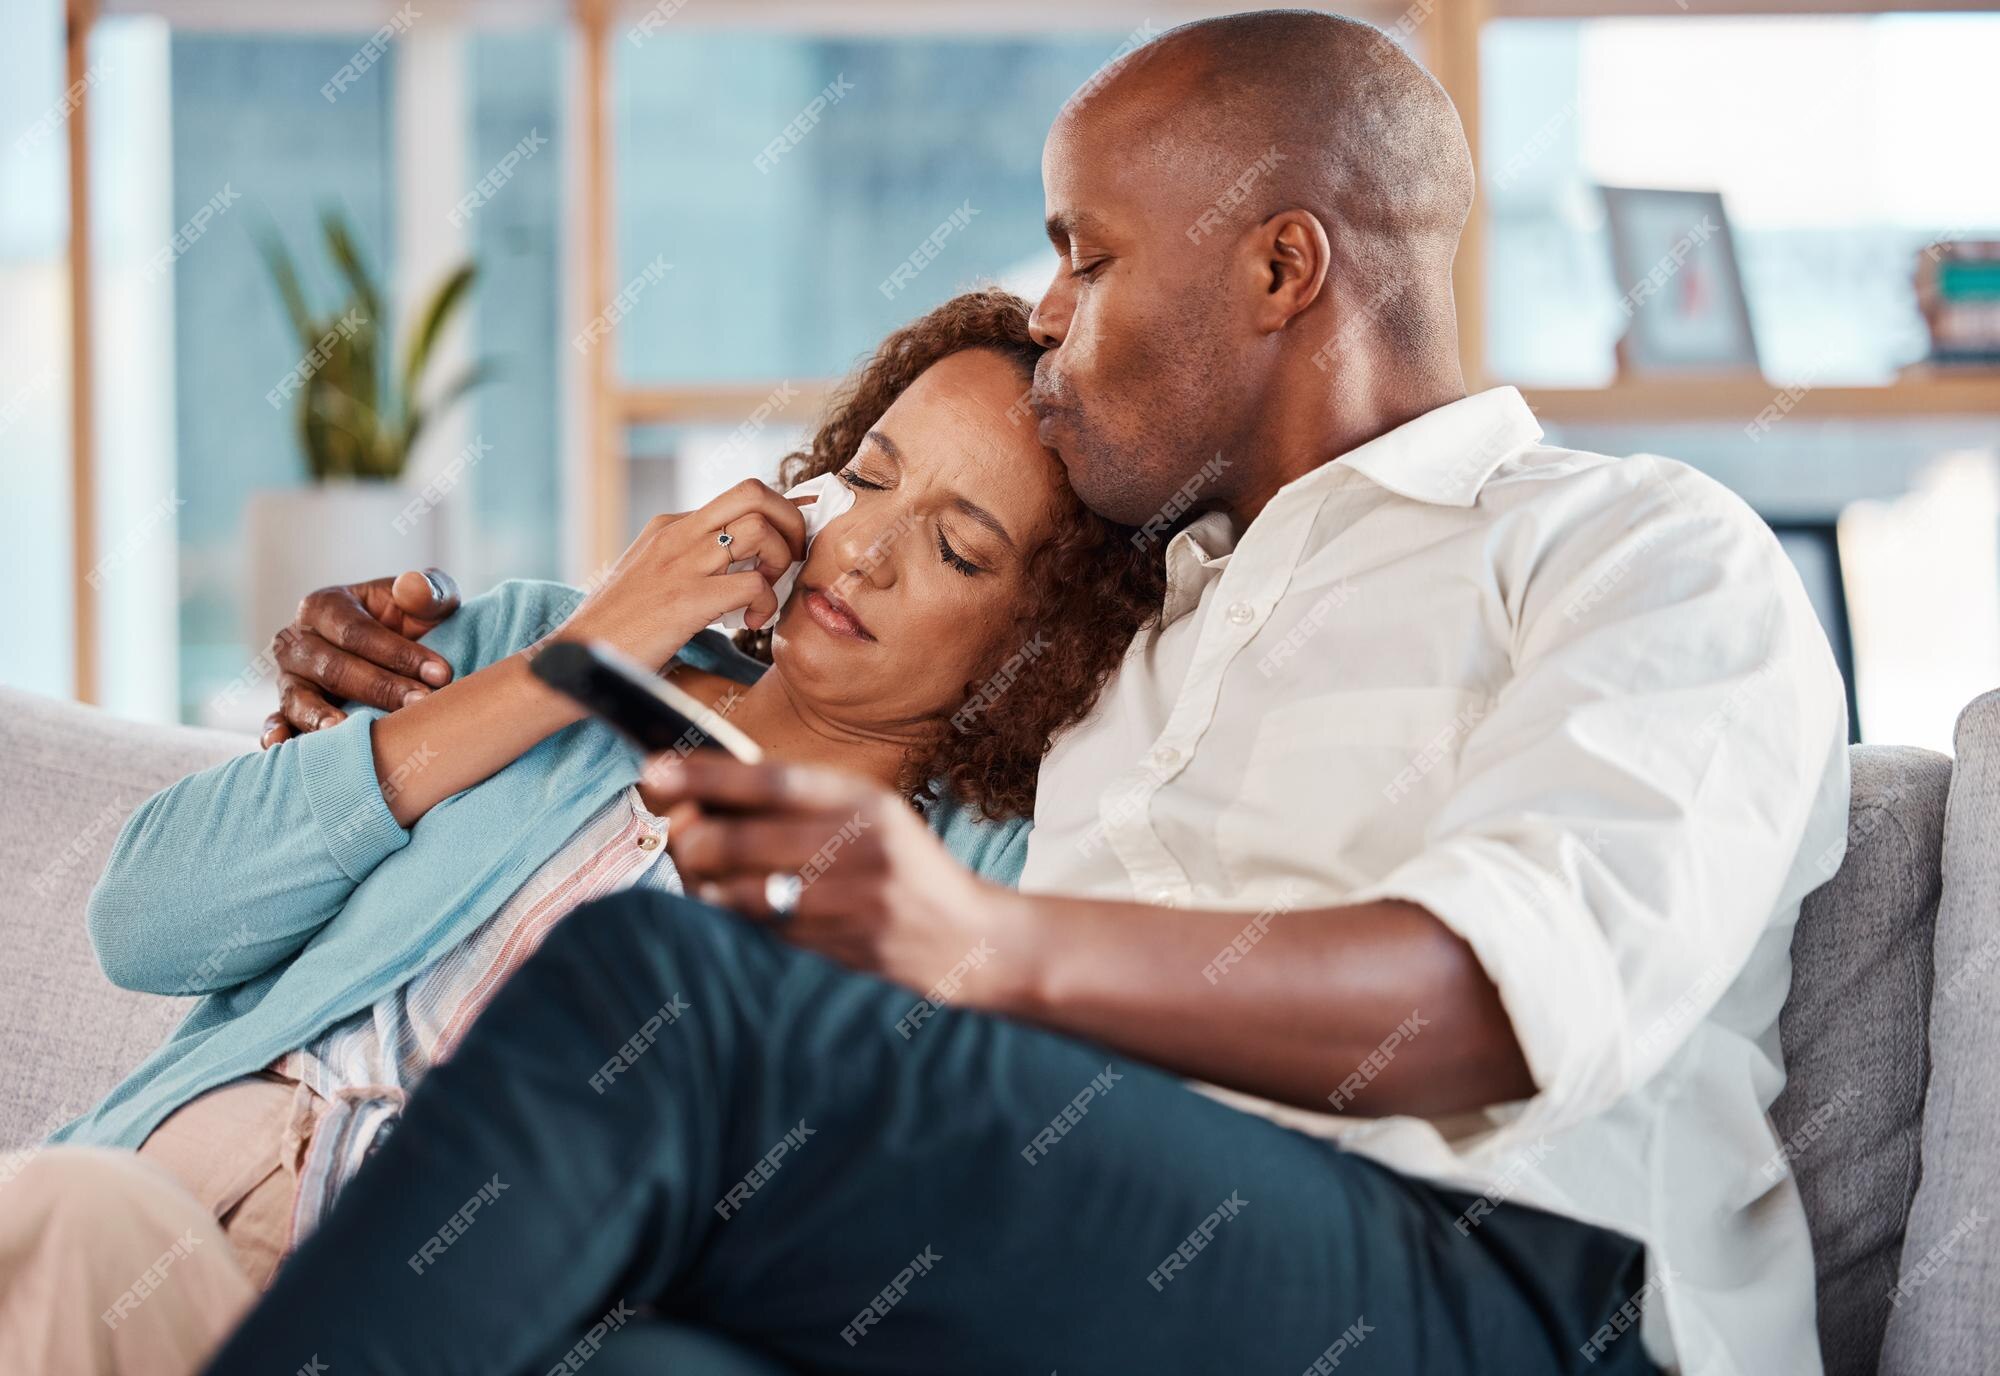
(1304, 109)
(1284, 192)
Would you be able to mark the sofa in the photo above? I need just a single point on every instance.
(1890, 1114)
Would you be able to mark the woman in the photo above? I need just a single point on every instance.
(347, 903)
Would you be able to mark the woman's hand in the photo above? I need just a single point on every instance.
(675, 579)
(879, 891)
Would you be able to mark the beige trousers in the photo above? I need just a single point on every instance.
(118, 1263)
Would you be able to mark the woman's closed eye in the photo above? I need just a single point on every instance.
(946, 551)
(954, 558)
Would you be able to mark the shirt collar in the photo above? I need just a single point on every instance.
(1443, 457)
(1197, 554)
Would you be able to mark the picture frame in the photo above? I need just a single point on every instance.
(1674, 263)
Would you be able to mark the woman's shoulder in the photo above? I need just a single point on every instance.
(994, 850)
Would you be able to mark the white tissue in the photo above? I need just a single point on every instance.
(835, 497)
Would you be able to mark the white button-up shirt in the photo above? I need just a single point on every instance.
(1578, 708)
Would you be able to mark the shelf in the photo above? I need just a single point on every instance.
(1743, 399)
(720, 403)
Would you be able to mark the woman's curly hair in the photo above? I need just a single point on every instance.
(1091, 586)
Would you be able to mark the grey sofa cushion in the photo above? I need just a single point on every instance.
(1946, 1314)
(69, 776)
(1854, 1033)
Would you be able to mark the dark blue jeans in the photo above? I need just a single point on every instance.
(668, 1112)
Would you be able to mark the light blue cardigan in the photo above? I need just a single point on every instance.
(279, 885)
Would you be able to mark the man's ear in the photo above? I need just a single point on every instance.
(1295, 253)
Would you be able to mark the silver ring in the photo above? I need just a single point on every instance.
(723, 537)
(781, 893)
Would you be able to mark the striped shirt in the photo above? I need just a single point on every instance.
(357, 1074)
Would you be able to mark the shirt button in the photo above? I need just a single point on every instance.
(1242, 613)
(650, 841)
(1166, 757)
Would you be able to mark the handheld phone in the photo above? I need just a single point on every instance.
(652, 713)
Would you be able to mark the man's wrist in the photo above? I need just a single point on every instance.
(1013, 925)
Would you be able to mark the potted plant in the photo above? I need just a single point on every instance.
(359, 417)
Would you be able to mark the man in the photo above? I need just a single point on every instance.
(1459, 810)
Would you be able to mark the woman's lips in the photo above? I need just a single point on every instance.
(834, 616)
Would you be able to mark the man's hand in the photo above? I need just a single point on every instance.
(1322, 990)
(880, 892)
(357, 643)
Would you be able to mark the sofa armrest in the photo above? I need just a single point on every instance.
(1944, 1319)
(71, 776)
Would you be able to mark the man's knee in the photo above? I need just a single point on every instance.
(689, 954)
(632, 908)
(663, 926)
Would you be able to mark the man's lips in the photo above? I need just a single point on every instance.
(1047, 411)
(1047, 418)
(834, 616)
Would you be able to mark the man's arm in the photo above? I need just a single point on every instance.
(1373, 1009)
(1380, 991)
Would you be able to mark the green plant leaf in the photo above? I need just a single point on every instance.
(334, 452)
(352, 429)
(361, 372)
(340, 243)
(370, 376)
(347, 368)
(420, 414)
(431, 323)
(310, 444)
(342, 411)
(356, 418)
(286, 279)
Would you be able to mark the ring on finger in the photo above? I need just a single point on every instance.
(781, 894)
